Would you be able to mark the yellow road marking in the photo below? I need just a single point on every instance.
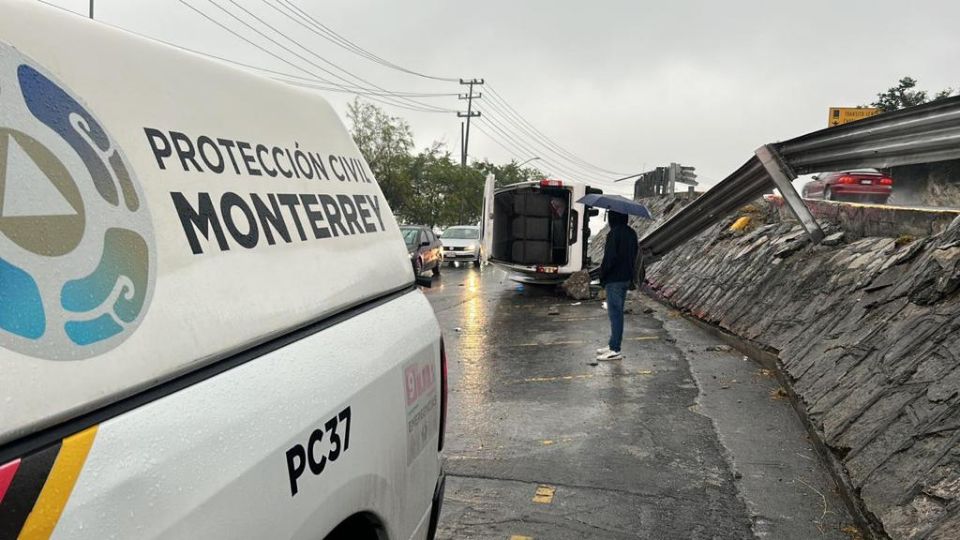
(517, 537)
(583, 376)
(580, 342)
(544, 494)
(558, 378)
(550, 442)
(53, 497)
(577, 342)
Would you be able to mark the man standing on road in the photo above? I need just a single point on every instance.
(616, 274)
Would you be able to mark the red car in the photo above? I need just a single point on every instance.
(863, 185)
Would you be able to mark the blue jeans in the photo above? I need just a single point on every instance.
(616, 296)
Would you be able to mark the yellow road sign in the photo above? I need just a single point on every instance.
(844, 115)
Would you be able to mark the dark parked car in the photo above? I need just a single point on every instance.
(863, 185)
(424, 248)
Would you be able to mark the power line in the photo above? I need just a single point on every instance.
(329, 34)
(565, 171)
(496, 95)
(510, 111)
(543, 150)
(311, 52)
(522, 132)
(416, 106)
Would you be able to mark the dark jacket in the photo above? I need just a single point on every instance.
(620, 251)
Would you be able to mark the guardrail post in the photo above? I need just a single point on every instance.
(783, 177)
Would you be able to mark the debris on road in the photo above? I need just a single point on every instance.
(577, 286)
(554, 310)
(719, 348)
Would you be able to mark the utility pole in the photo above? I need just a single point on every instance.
(91, 9)
(469, 96)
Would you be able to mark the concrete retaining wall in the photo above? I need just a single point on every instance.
(868, 336)
(862, 220)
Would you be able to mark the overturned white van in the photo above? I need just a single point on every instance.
(536, 230)
(182, 354)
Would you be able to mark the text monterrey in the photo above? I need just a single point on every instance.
(250, 219)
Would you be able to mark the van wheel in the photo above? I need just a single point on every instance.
(476, 263)
(436, 269)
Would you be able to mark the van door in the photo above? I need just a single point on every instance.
(486, 217)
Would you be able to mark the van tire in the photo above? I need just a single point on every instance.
(436, 269)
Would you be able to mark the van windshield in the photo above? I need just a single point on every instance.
(461, 233)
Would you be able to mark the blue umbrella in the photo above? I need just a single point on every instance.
(617, 204)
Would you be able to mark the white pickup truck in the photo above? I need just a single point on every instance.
(182, 355)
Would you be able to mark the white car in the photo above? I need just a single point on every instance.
(461, 244)
(182, 355)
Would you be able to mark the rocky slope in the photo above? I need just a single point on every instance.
(867, 336)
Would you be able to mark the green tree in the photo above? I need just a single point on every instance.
(509, 173)
(430, 188)
(444, 193)
(385, 142)
(905, 95)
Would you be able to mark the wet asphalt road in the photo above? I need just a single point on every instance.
(674, 441)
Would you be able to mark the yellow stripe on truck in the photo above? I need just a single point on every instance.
(53, 498)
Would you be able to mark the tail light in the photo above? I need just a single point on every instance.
(846, 180)
(886, 181)
(443, 394)
(551, 183)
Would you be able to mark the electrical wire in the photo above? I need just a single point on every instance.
(350, 84)
(541, 148)
(329, 34)
(511, 140)
(507, 122)
(416, 106)
(517, 116)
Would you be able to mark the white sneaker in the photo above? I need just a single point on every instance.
(610, 355)
(604, 350)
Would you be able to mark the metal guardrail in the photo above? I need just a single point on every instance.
(922, 134)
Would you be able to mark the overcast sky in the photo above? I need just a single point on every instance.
(625, 85)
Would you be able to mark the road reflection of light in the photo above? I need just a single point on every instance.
(473, 352)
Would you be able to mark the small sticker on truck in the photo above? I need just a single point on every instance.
(420, 388)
